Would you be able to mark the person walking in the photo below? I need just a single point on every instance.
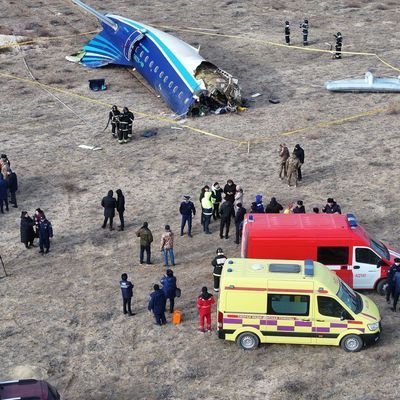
(238, 197)
(207, 211)
(338, 45)
(304, 26)
(167, 246)
(113, 116)
(204, 304)
(169, 288)
(13, 187)
(146, 238)
(239, 218)
(216, 199)
(127, 294)
(273, 207)
(225, 212)
(26, 230)
(299, 209)
(287, 33)
(283, 155)
(390, 279)
(157, 305)
(109, 204)
(299, 153)
(218, 264)
(187, 210)
(331, 207)
(3, 194)
(120, 206)
(292, 167)
(45, 233)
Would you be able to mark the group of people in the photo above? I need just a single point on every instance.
(37, 227)
(304, 26)
(121, 124)
(110, 204)
(290, 164)
(8, 184)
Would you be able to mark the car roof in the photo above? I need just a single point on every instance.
(23, 389)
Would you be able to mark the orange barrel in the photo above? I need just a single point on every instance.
(176, 317)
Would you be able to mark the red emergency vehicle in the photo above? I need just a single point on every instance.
(337, 241)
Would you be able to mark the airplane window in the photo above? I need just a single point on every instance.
(187, 100)
(156, 69)
(171, 84)
(175, 89)
(161, 74)
(180, 94)
(137, 50)
(146, 59)
(151, 64)
(166, 79)
(141, 54)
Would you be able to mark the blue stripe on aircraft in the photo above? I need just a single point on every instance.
(103, 46)
(105, 40)
(97, 50)
(178, 65)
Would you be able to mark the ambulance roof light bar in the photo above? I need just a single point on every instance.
(251, 218)
(351, 220)
(308, 268)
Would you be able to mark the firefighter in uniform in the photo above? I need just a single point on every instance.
(218, 263)
(287, 32)
(338, 45)
(113, 117)
(304, 26)
(128, 115)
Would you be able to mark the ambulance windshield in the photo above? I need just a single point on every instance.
(350, 297)
(380, 248)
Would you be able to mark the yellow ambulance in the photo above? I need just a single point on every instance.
(299, 302)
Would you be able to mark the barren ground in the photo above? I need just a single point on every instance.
(61, 314)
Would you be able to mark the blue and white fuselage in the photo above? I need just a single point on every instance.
(167, 63)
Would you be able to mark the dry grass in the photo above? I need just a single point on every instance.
(393, 109)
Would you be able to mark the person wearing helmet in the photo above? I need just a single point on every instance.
(125, 125)
(304, 26)
(338, 45)
(218, 263)
(287, 33)
(113, 117)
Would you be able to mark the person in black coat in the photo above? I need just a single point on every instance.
(331, 207)
(169, 288)
(273, 207)
(299, 209)
(110, 204)
(45, 233)
(13, 187)
(3, 193)
(230, 191)
(187, 210)
(157, 305)
(127, 294)
(121, 208)
(225, 212)
(26, 228)
(299, 153)
(239, 218)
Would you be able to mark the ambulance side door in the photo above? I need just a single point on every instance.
(330, 319)
(365, 271)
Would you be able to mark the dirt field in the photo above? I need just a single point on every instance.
(61, 313)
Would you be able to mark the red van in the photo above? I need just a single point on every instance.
(331, 239)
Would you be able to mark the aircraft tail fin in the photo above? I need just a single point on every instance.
(97, 14)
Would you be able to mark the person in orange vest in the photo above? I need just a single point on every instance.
(204, 303)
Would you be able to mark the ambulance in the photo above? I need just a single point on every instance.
(337, 241)
(297, 302)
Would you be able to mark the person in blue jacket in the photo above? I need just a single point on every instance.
(45, 233)
(3, 193)
(127, 294)
(169, 288)
(157, 305)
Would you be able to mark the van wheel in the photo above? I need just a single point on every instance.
(352, 343)
(248, 341)
(381, 287)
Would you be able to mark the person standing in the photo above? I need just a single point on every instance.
(230, 191)
(146, 238)
(390, 279)
(13, 187)
(304, 26)
(257, 207)
(331, 207)
(187, 210)
(218, 264)
(287, 33)
(120, 205)
(109, 204)
(299, 153)
(169, 288)
(113, 116)
(127, 294)
(299, 209)
(292, 167)
(238, 197)
(283, 155)
(204, 189)
(216, 199)
(45, 233)
(396, 289)
(130, 118)
(3, 194)
(338, 45)
(207, 210)
(225, 212)
(239, 218)
(204, 304)
(38, 216)
(167, 246)
(273, 207)
(125, 125)
(26, 229)
(157, 305)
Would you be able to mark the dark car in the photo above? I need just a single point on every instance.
(28, 389)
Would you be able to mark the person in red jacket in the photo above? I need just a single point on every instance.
(204, 303)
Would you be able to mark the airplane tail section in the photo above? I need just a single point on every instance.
(98, 15)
